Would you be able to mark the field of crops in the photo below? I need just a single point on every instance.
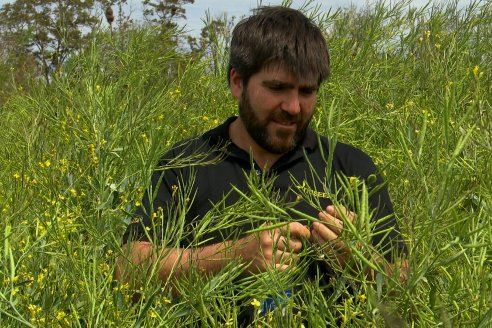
(412, 87)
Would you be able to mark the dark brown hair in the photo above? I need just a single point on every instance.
(279, 36)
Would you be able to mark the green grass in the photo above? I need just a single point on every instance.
(410, 87)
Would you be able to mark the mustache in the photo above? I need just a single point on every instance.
(284, 117)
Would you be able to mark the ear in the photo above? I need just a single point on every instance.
(235, 83)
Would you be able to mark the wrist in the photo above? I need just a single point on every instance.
(213, 257)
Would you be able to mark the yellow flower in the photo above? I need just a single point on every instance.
(476, 69)
(60, 315)
(15, 279)
(255, 303)
(175, 189)
(15, 291)
(63, 165)
(145, 137)
(34, 309)
(41, 276)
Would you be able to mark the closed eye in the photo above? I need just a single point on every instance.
(276, 86)
(307, 91)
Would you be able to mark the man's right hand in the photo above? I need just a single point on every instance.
(276, 248)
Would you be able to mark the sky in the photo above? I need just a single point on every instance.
(195, 13)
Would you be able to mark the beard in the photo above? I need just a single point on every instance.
(276, 142)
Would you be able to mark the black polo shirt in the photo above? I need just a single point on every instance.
(206, 182)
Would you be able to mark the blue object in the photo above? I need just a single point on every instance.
(270, 303)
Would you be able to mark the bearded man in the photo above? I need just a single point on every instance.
(278, 60)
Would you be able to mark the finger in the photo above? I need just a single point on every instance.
(340, 211)
(336, 225)
(282, 257)
(292, 236)
(322, 234)
(327, 239)
(280, 267)
(278, 240)
(295, 245)
(290, 245)
(296, 230)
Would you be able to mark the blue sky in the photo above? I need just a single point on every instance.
(196, 12)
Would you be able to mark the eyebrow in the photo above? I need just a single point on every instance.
(289, 85)
(277, 83)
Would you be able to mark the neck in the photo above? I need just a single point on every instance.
(241, 138)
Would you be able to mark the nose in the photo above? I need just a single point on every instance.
(291, 104)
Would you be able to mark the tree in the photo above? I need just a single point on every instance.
(17, 68)
(165, 12)
(50, 30)
(214, 41)
(121, 17)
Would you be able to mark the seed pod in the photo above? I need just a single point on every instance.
(109, 15)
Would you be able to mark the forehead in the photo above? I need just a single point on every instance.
(282, 74)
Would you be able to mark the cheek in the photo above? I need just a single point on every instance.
(309, 102)
(263, 105)
(308, 108)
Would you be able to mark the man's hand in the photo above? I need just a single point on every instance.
(276, 248)
(327, 233)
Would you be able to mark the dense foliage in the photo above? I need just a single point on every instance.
(412, 87)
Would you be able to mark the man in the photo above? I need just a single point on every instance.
(278, 60)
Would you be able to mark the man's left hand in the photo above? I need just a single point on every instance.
(327, 232)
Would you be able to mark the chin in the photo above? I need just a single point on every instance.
(281, 147)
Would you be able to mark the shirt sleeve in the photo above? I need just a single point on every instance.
(155, 220)
(386, 232)
(147, 220)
